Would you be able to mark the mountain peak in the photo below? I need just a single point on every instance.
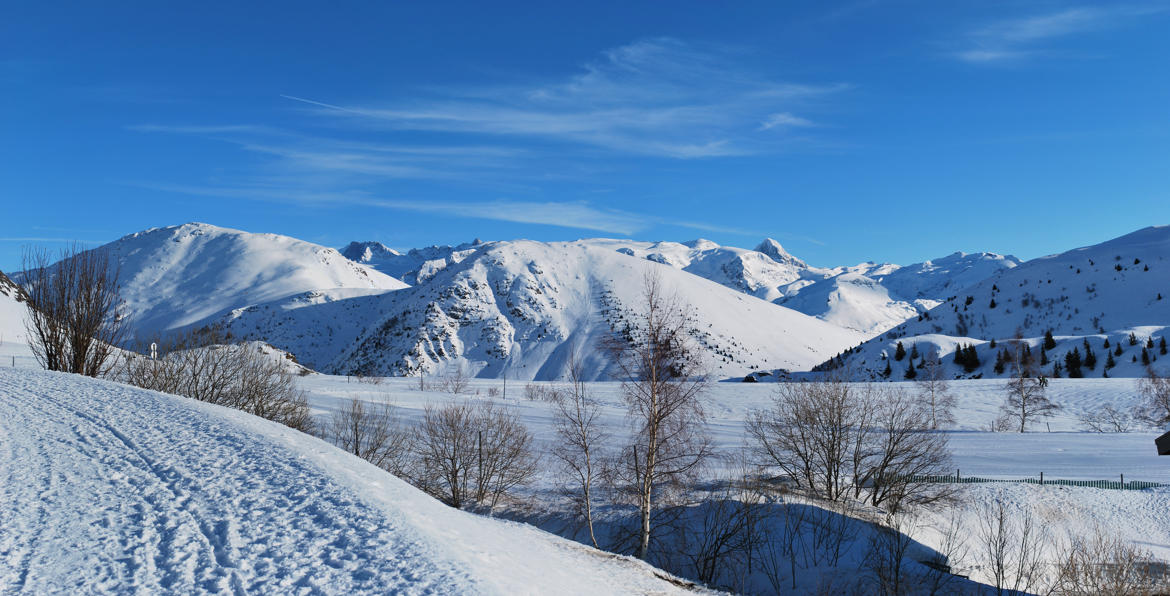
(364, 252)
(776, 252)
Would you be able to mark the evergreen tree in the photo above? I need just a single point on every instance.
(1090, 357)
(998, 363)
(1145, 357)
(910, 372)
(959, 354)
(1072, 363)
(991, 304)
(1106, 343)
(1043, 356)
(992, 344)
(1150, 342)
(889, 371)
(899, 352)
(1056, 369)
(970, 358)
(1049, 341)
(914, 351)
(1132, 339)
(1117, 352)
(1109, 361)
(1162, 346)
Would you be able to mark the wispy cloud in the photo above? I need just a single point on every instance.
(1019, 38)
(657, 97)
(581, 215)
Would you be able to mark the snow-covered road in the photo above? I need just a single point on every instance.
(105, 488)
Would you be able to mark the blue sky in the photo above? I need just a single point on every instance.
(888, 131)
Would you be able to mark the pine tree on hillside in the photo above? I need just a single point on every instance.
(1109, 361)
(1132, 339)
(914, 351)
(992, 344)
(970, 358)
(889, 371)
(1049, 341)
(1090, 358)
(910, 372)
(1150, 342)
(999, 357)
(1117, 352)
(899, 352)
(1145, 357)
(1043, 356)
(1072, 363)
(991, 304)
(1107, 346)
(1056, 369)
(1162, 346)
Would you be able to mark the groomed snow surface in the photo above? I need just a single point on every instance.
(110, 489)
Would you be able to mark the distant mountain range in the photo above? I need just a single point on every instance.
(519, 308)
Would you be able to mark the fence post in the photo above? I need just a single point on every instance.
(1123, 482)
(1041, 478)
(957, 477)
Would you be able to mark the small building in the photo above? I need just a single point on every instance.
(1163, 443)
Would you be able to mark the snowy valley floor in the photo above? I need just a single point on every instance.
(107, 488)
(110, 489)
(1067, 452)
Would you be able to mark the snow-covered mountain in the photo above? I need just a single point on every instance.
(869, 298)
(112, 489)
(1099, 292)
(519, 308)
(183, 275)
(874, 297)
(12, 312)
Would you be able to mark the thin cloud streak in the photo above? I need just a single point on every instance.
(657, 97)
(569, 214)
(1016, 39)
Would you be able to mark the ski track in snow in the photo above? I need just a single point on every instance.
(113, 489)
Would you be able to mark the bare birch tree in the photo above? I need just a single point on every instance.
(1026, 401)
(582, 435)
(934, 391)
(661, 384)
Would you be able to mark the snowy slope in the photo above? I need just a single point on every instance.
(12, 312)
(869, 297)
(873, 297)
(519, 308)
(182, 275)
(111, 489)
(1099, 292)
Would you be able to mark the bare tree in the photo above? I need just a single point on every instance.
(582, 435)
(372, 432)
(455, 380)
(1100, 563)
(902, 451)
(201, 365)
(471, 454)
(934, 392)
(73, 323)
(886, 555)
(1011, 549)
(1155, 391)
(1026, 401)
(840, 440)
(1107, 419)
(661, 384)
(949, 556)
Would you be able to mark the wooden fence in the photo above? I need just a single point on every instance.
(1119, 484)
